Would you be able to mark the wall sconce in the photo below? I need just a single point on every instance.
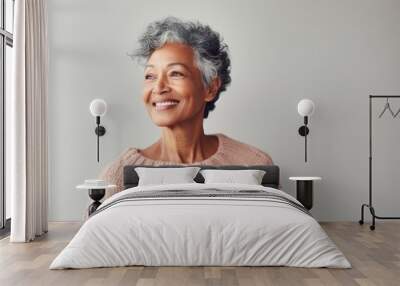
(98, 108)
(305, 108)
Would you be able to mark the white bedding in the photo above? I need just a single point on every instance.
(200, 231)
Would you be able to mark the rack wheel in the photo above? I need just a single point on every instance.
(361, 222)
(372, 227)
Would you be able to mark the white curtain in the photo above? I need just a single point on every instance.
(26, 129)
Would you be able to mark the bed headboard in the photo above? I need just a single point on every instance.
(270, 179)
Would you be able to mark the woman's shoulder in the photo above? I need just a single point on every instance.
(134, 156)
(238, 152)
(129, 154)
(123, 158)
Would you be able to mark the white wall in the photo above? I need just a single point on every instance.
(334, 52)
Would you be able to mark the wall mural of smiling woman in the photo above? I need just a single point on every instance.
(187, 67)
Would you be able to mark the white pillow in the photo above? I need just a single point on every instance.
(249, 177)
(161, 176)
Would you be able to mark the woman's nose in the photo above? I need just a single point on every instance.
(160, 86)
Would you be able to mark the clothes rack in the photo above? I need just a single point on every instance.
(370, 205)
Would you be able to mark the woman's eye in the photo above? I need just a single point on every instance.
(149, 76)
(176, 74)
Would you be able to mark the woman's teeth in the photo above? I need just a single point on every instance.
(165, 104)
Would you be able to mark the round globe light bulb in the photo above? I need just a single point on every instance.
(98, 107)
(305, 107)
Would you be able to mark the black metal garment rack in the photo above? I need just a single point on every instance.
(369, 205)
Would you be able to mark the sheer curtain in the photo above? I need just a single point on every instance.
(27, 123)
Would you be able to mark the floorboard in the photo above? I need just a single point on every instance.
(374, 255)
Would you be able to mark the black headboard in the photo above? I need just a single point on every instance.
(270, 179)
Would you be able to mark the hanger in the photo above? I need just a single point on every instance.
(387, 106)
(397, 113)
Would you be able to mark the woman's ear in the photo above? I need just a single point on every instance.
(212, 89)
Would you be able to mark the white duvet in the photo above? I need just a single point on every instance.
(200, 231)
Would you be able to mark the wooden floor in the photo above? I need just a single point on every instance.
(375, 256)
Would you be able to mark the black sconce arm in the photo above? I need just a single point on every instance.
(100, 131)
(304, 131)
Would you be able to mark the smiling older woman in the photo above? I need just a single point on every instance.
(186, 68)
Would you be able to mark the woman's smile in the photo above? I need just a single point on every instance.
(165, 104)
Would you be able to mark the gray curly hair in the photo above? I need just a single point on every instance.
(211, 53)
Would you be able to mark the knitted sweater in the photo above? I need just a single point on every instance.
(229, 152)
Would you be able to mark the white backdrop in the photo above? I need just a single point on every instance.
(333, 52)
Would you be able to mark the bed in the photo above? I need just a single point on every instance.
(201, 224)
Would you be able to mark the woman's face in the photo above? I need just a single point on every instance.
(173, 88)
